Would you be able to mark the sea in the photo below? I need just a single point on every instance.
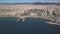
(9, 25)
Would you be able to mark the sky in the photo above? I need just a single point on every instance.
(28, 1)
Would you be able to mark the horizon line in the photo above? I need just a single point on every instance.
(36, 2)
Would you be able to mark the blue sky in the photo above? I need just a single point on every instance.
(22, 1)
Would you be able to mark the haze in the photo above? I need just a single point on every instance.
(28, 1)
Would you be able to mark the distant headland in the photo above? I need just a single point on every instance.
(34, 3)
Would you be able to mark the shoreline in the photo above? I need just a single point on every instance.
(53, 23)
(46, 17)
(37, 17)
(8, 16)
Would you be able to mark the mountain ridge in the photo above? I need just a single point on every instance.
(35, 3)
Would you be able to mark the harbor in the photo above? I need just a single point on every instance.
(30, 18)
(8, 25)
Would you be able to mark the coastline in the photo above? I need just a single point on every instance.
(53, 23)
(47, 17)
(8, 16)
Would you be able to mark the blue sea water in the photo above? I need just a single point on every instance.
(9, 25)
